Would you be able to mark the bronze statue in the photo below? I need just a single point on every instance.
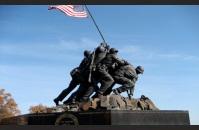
(102, 66)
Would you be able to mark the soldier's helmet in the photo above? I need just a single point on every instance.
(144, 97)
(113, 50)
(140, 69)
(87, 53)
(104, 44)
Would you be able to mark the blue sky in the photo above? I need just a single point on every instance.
(38, 48)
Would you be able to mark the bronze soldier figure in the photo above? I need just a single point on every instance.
(83, 93)
(102, 66)
(78, 76)
(127, 76)
(104, 70)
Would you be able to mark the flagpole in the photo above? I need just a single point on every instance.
(95, 24)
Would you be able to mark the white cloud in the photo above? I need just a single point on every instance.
(178, 56)
(139, 52)
(130, 49)
(82, 44)
(169, 55)
(74, 48)
(57, 50)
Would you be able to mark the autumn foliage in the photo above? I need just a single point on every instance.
(8, 106)
(39, 109)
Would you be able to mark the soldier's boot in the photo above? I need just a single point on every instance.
(94, 96)
(66, 102)
(84, 99)
(71, 99)
(99, 94)
(88, 93)
(121, 89)
(56, 101)
(61, 96)
(116, 92)
(105, 85)
(66, 91)
(109, 90)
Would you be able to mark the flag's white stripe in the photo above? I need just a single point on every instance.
(71, 6)
(68, 11)
(62, 10)
(75, 12)
(72, 9)
(65, 8)
(65, 11)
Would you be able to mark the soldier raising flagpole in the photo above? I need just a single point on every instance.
(80, 12)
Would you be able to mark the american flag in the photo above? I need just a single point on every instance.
(71, 10)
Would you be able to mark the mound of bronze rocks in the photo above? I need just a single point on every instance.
(110, 102)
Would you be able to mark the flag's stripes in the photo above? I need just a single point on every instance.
(72, 12)
(69, 10)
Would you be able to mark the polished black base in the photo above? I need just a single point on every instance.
(150, 117)
(105, 117)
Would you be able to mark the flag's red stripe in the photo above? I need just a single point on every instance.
(62, 10)
(66, 11)
(69, 10)
(73, 12)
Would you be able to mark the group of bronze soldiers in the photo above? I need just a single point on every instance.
(98, 72)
